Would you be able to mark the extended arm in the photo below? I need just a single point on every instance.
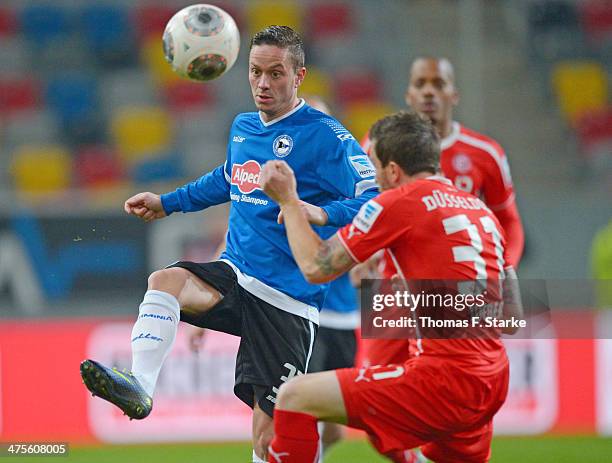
(510, 221)
(209, 190)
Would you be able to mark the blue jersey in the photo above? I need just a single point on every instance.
(341, 308)
(332, 172)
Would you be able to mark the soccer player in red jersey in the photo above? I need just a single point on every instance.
(473, 162)
(457, 238)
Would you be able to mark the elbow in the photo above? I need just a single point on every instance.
(316, 278)
(314, 275)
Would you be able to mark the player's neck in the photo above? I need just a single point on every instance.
(444, 128)
(408, 179)
(290, 107)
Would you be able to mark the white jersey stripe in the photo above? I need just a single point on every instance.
(489, 148)
(274, 296)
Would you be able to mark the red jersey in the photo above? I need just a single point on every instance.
(477, 164)
(433, 231)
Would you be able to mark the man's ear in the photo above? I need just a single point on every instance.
(299, 76)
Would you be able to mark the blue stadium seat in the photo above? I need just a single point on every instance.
(43, 23)
(554, 30)
(107, 31)
(166, 167)
(74, 98)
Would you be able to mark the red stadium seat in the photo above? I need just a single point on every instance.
(8, 22)
(182, 95)
(18, 94)
(594, 132)
(357, 85)
(97, 166)
(151, 20)
(596, 17)
(330, 19)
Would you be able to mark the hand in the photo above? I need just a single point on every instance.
(196, 339)
(314, 214)
(147, 206)
(278, 182)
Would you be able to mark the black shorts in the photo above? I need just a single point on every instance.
(333, 349)
(275, 345)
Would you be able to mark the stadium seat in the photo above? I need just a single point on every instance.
(72, 96)
(151, 20)
(359, 117)
(96, 167)
(580, 87)
(8, 22)
(596, 16)
(140, 132)
(260, 14)
(19, 94)
(107, 31)
(594, 131)
(182, 95)
(41, 168)
(43, 23)
(554, 31)
(153, 57)
(317, 82)
(327, 20)
(356, 85)
(160, 168)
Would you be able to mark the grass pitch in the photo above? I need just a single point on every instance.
(505, 450)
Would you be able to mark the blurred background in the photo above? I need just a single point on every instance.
(90, 113)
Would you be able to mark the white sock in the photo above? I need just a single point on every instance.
(256, 459)
(320, 427)
(153, 335)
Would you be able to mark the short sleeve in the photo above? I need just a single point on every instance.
(375, 227)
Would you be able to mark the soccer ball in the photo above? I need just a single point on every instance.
(201, 42)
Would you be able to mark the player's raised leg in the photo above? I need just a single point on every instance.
(169, 291)
(300, 404)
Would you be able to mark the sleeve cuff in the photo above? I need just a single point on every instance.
(333, 219)
(170, 202)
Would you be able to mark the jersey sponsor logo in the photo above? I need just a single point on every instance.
(246, 176)
(462, 163)
(238, 139)
(367, 215)
(282, 146)
(363, 165)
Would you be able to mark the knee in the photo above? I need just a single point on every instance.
(290, 397)
(168, 279)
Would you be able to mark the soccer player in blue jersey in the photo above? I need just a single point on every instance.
(255, 290)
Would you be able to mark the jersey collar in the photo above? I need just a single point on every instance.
(439, 178)
(284, 116)
(452, 137)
